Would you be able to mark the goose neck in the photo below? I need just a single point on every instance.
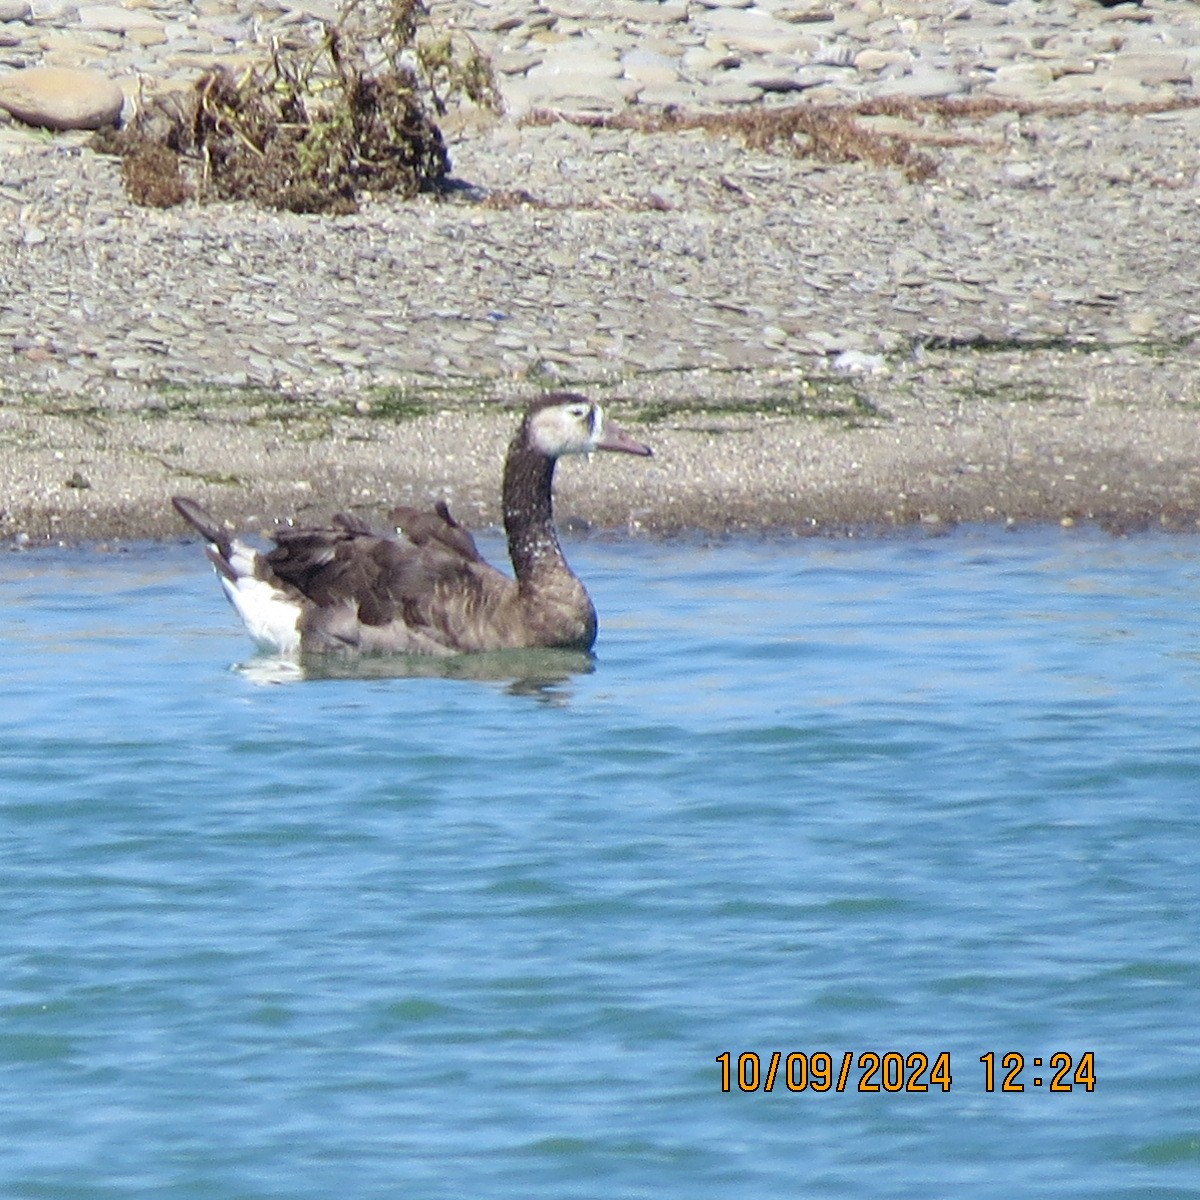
(529, 512)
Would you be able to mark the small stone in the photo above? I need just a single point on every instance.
(14, 10)
(734, 93)
(677, 95)
(515, 62)
(505, 23)
(127, 364)
(61, 98)
(856, 362)
(321, 10)
(1021, 173)
(1123, 91)
(652, 70)
(1020, 80)
(877, 60)
(149, 35)
(925, 83)
(343, 356)
(752, 31)
(112, 18)
(1125, 12)
(562, 67)
(574, 10)
(805, 16)
(670, 13)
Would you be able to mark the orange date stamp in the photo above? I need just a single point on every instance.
(896, 1071)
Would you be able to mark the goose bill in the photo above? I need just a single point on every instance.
(616, 439)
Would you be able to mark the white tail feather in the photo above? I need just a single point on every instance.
(271, 617)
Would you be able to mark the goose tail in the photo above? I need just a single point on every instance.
(270, 612)
(220, 544)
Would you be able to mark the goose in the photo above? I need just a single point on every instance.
(426, 590)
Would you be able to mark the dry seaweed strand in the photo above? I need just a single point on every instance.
(153, 178)
(833, 133)
(829, 134)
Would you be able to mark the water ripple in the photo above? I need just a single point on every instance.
(486, 932)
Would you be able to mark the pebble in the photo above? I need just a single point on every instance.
(61, 98)
(112, 18)
(550, 55)
(681, 252)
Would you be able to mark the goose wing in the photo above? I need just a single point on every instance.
(437, 527)
(428, 592)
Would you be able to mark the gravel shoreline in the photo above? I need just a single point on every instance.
(808, 346)
(954, 436)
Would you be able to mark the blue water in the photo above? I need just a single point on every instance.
(444, 937)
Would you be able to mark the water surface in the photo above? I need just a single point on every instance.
(445, 937)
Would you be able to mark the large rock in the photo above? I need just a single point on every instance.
(61, 98)
(14, 10)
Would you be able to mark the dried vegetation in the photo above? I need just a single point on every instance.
(842, 133)
(826, 133)
(312, 128)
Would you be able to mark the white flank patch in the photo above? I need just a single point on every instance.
(269, 616)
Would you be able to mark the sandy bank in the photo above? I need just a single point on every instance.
(946, 437)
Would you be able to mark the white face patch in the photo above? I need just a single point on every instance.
(569, 429)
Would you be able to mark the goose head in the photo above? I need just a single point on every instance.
(567, 423)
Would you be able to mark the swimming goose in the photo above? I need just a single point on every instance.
(426, 590)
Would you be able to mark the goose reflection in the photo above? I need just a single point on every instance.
(540, 672)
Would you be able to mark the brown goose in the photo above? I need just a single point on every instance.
(425, 590)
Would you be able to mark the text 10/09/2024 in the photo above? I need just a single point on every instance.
(894, 1071)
